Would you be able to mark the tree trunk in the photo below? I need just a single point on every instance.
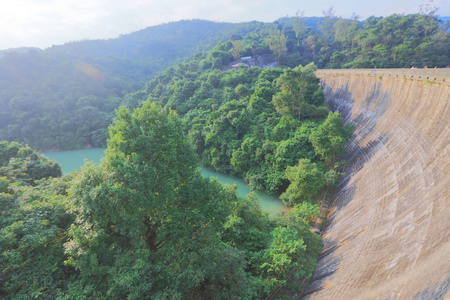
(150, 235)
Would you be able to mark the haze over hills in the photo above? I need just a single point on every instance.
(191, 36)
(64, 97)
(106, 70)
(169, 41)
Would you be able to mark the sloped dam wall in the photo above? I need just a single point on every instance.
(387, 234)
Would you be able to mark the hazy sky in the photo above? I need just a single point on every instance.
(42, 23)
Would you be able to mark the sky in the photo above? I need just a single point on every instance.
(43, 23)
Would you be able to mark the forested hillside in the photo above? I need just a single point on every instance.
(64, 97)
(396, 41)
(164, 43)
(143, 225)
(254, 123)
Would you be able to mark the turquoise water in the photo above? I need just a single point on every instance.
(74, 159)
(268, 202)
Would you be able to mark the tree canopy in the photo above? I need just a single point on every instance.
(147, 220)
(144, 224)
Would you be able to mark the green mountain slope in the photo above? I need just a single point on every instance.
(64, 97)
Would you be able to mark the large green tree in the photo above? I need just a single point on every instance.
(330, 137)
(148, 225)
(298, 24)
(293, 85)
(307, 178)
(277, 43)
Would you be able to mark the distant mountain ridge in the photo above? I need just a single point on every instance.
(18, 50)
(196, 35)
(165, 36)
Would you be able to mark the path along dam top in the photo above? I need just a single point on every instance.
(387, 234)
(440, 75)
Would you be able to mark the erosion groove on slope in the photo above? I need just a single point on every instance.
(389, 235)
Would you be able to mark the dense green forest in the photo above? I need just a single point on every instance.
(143, 225)
(64, 97)
(254, 122)
(396, 41)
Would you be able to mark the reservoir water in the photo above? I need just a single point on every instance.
(74, 159)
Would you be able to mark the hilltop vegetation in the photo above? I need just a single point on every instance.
(396, 41)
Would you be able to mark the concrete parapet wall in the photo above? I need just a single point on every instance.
(387, 235)
(438, 75)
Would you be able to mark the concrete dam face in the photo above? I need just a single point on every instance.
(387, 234)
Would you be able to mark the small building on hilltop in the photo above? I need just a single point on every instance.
(238, 65)
(261, 61)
